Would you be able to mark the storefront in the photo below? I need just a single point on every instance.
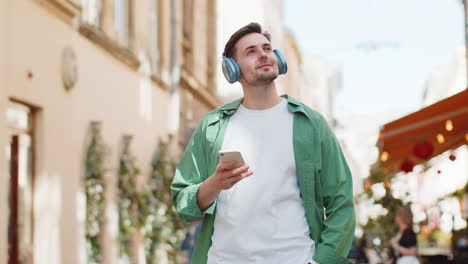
(422, 135)
(429, 137)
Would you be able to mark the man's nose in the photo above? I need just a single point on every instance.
(262, 54)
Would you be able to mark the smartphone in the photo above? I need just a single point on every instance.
(236, 156)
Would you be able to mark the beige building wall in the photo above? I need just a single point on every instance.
(125, 87)
(198, 93)
(274, 23)
(126, 98)
(294, 78)
(3, 133)
(323, 82)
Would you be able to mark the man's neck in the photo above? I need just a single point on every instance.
(260, 97)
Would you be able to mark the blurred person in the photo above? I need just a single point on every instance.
(405, 243)
(192, 233)
(357, 252)
(292, 201)
(460, 250)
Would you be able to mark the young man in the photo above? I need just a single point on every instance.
(292, 201)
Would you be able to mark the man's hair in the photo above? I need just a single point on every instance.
(229, 49)
(404, 212)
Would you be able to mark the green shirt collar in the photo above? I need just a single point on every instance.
(293, 106)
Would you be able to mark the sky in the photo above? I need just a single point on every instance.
(384, 49)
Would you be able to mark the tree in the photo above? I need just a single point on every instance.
(382, 228)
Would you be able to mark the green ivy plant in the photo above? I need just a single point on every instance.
(164, 228)
(128, 199)
(149, 210)
(94, 191)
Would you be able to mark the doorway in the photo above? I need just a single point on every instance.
(20, 155)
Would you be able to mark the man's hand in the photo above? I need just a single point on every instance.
(226, 175)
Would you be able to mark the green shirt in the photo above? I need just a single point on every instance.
(324, 180)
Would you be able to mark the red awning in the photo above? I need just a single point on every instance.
(424, 134)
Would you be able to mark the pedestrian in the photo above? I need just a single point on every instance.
(189, 242)
(405, 243)
(460, 250)
(292, 201)
(357, 253)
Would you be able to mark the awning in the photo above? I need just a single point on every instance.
(424, 134)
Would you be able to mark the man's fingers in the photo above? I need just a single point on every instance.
(230, 182)
(229, 174)
(240, 170)
(226, 165)
(239, 177)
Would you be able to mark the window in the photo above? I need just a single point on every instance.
(115, 33)
(188, 19)
(92, 12)
(211, 52)
(20, 161)
(154, 41)
(121, 21)
(187, 54)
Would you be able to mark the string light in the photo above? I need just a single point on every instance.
(448, 125)
(384, 156)
(440, 138)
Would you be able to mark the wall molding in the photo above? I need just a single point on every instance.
(101, 39)
(193, 86)
(66, 10)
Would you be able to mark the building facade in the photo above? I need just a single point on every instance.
(139, 68)
(447, 79)
(325, 81)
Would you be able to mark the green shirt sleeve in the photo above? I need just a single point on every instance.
(190, 173)
(340, 220)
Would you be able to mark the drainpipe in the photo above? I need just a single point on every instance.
(174, 112)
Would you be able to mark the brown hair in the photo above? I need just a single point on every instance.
(406, 215)
(229, 48)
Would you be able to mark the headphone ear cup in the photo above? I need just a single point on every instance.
(282, 65)
(231, 70)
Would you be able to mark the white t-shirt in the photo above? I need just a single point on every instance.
(261, 219)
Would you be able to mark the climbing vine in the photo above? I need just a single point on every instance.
(164, 229)
(147, 210)
(128, 199)
(94, 191)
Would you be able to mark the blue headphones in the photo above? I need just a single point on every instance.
(232, 71)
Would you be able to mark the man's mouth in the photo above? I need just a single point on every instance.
(264, 65)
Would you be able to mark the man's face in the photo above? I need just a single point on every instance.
(256, 59)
